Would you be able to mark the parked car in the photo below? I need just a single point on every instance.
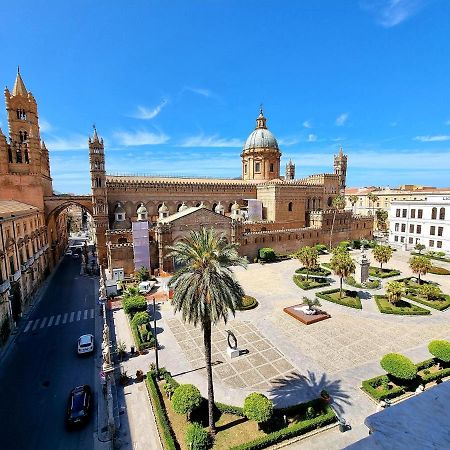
(146, 286)
(75, 256)
(79, 406)
(85, 344)
(68, 252)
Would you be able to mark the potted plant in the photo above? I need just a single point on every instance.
(139, 375)
(325, 395)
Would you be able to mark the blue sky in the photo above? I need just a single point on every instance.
(175, 87)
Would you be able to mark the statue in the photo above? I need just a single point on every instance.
(232, 340)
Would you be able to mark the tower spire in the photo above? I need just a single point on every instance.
(261, 120)
(95, 136)
(19, 85)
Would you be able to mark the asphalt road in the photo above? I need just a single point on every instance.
(42, 367)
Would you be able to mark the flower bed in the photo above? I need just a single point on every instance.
(382, 273)
(312, 283)
(234, 430)
(349, 298)
(317, 271)
(401, 308)
(248, 302)
(371, 284)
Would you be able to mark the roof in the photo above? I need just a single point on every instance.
(261, 138)
(177, 180)
(419, 422)
(186, 212)
(12, 208)
(19, 86)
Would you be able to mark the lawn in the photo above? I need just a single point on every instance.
(311, 283)
(440, 304)
(317, 271)
(370, 284)
(402, 307)
(382, 273)
(349, 298)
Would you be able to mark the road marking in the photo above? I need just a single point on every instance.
(36, 324)
(85, 314)
(65, 318)
(28, 326)
(92, 313)
(78, 315)
(43, 322)
(50, 321)
(58, 317)
(71, 316)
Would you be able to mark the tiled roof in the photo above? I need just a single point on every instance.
(9, 208)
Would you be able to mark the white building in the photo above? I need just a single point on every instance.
(421, 221)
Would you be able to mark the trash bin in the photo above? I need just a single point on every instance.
(342, 427)
(132, 350)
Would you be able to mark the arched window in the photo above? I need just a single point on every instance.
(178, 207)
(442, 214)
(290, 206)
(229, 207)
(314, 204)
(309, 204)
(214, 206)
(198, 204)
(330, 201)
(10, 157)
(434, 213)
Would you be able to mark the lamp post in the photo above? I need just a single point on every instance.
(156, 338)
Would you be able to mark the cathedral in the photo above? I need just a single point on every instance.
(137, 217)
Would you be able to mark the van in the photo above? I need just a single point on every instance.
(146, 286)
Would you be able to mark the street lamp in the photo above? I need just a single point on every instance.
(156, 338)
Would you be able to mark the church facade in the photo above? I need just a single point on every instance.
(137, 217)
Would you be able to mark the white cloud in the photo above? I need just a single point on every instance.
(341, 119)
(307, 124)
(130, 139)
(435, 138)
(312, 138)
(389, 13)
(145, 113)
(210, 141)
(73, 142)
(200, 91)
(44, 125)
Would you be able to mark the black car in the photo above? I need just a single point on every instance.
(79, 406)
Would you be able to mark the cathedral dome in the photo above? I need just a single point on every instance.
(261, 137)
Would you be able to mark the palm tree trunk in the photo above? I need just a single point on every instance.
(340, 291)
(332, 227)
(207, 343)
(381, 267)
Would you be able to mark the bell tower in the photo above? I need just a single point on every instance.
(99, 197)
(340, 169)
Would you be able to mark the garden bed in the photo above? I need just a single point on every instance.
(439, 304)
(371, 284)
(401, 308)
(349, 298)
(311, 283)
(439, 271)
(233, 429)
(383, 273)
(317, 271)
(437, 258)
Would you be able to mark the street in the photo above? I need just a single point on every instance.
(43, 366)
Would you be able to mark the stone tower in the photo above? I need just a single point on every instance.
(24, 160)
(340, 169)
(290, 171)
(261, 155)
(99, 198)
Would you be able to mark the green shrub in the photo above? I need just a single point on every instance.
(439, 270)
(258, 407)
(248, 302)
(197, 437)
(317, 271)
(440, 350)
(356, 244)
(267, 254)
(399, 366)
(185, 399)
(132, 305)
(141, 318)
(321, 248)
(344, 244)
(229, 409)
(370, 386)
(310, 412)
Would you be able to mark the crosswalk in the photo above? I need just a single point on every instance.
(59, 319)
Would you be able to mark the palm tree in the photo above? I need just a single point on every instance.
(353, 199)
(372, 198)
(395, 290)
(381, 215)
(343, 266)
(205, 290)
(382, 254)
(308, 257)
(420, 265)
(337, 203)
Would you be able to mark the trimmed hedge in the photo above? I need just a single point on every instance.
(312, 283)
(143, 337)
(439, 271)
(372, 284)
(267, 254)
(369, 386)
(411, 310)
(355, 303)
(399, 366)
(440, 304)
(289, 432)
(132, 305)
(197, 438)
(248, 302)
(437, 258)
(318, 271)
(440, 350)
(432, 376)
(162, 420)
(229, 409)
(385, 273)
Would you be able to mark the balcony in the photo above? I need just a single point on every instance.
(5, 286)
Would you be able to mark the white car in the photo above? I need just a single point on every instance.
(85, 344)
(146, 286)
(69, 252)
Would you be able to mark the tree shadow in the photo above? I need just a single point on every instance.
(295, 388)
(363, 295)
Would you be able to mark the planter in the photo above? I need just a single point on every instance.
(139, 375)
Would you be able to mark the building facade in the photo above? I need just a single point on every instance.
(262, 209)
(425, 222)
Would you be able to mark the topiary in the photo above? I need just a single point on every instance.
(399, 366)
(197, 437)
(185, 399)
(258, 407)
(134, 304)
(440, 350)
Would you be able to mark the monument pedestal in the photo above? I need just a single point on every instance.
(232, 352)
(362, 269)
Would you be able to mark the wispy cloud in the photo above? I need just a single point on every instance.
(44, 125)
(73, 142)
(210, 141)
(341, 119)
(447, 122)
(288, 141)
(435, 138)
(307, 124)
(389, 13)
(199, 91)
(142, 137)
(312, 138)
(145, 113)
